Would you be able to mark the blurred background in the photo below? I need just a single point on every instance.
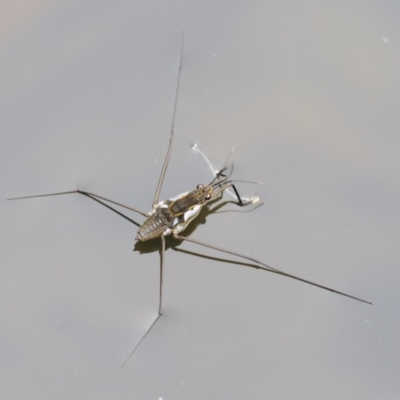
(307, 92)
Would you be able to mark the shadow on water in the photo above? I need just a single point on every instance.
(154, 245)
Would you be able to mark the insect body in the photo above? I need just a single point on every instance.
(171, 217)
(174, 215)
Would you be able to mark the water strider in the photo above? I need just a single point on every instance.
(171, 217)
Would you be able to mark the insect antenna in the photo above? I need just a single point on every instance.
(226, 163)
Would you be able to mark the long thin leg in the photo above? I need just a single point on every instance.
(141, 340)
(171, 138)
(162, 253)
(266, 267)
(155, 201)
(112, 209)
(91, 195)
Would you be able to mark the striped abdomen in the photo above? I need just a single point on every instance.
(155, 225)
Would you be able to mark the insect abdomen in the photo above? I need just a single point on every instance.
(154, 226)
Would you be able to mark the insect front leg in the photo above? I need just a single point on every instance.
(220, 186)
(219, 174)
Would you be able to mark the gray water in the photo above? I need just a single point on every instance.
(307, 92)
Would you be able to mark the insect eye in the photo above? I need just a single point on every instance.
(199, 187)
(208, 196)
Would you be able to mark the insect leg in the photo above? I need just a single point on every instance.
(162, 253)
(171, 138)
(112, 201)
(91, 195)
(218, 174)
(141, 340)
(266, 267)
(223, 185)
(112, 209)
